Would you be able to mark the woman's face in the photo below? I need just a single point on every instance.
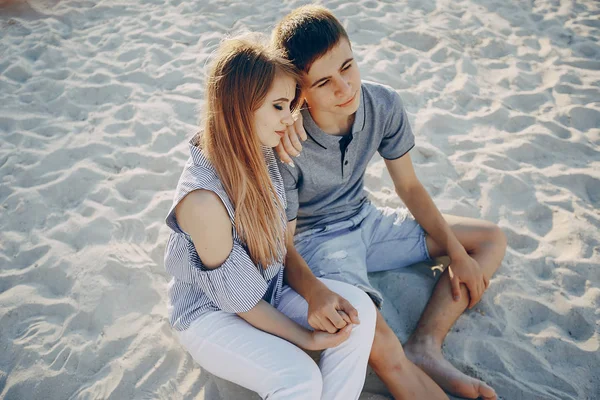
(274, 115)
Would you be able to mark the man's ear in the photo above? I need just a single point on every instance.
(299, 99)
(303, 103)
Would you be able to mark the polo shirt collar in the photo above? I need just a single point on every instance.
(326, 140)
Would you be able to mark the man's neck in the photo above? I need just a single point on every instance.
(332, 124)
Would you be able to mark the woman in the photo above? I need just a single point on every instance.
(228, 302)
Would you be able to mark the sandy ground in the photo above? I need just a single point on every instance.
(97, 99)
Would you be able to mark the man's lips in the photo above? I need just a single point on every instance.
(348, 102)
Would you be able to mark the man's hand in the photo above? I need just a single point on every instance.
(290, 144)
(330, 312)
(466, 270)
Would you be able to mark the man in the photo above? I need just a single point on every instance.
(335, 231)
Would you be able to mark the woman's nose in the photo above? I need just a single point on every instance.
(288, 119)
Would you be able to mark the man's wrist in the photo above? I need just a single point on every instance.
(457, 253)
(315, 290)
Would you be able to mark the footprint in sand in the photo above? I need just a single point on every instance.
(524, 244)
(586, 187)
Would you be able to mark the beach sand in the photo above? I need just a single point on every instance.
(98, 98)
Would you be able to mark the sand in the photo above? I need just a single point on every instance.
(98, 98)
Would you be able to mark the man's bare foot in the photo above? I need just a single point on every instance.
(428, 356)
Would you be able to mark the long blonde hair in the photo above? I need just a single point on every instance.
(242, 73)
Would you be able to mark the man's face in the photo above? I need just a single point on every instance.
(332, 84)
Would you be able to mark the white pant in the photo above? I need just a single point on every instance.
(229, 347)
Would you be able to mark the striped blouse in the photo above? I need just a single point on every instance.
(238, 284)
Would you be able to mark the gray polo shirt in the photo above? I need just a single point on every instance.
(327, 183)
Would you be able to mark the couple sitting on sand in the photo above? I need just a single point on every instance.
(270, 257)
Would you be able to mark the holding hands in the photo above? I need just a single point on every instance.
(332, 317)
(320, 340)
(330, 312)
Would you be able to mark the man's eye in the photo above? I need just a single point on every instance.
(347, 67)
(278, 106)
(323, 84)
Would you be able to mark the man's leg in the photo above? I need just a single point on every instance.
(486, 243)
(340, 254)
(404, 380)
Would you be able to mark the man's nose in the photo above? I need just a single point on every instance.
(343, 87)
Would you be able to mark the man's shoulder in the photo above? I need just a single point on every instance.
(382, 97)
(378, 90)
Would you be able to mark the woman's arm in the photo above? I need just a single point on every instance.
(267, 318)
(204, 217)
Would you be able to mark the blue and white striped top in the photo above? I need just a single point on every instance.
(238, 284)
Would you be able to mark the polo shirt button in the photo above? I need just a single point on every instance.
(346, 163)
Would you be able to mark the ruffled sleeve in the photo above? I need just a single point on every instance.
(236, 286)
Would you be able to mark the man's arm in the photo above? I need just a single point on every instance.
(291, 143)
(327, 311)
(297, 274)
(463, 268)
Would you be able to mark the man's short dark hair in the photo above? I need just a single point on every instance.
(306, 34)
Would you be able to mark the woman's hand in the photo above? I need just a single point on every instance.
(319, 340)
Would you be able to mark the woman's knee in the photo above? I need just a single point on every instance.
(366, 308)
(367, 312)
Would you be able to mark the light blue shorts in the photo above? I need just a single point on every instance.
(376, 239)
